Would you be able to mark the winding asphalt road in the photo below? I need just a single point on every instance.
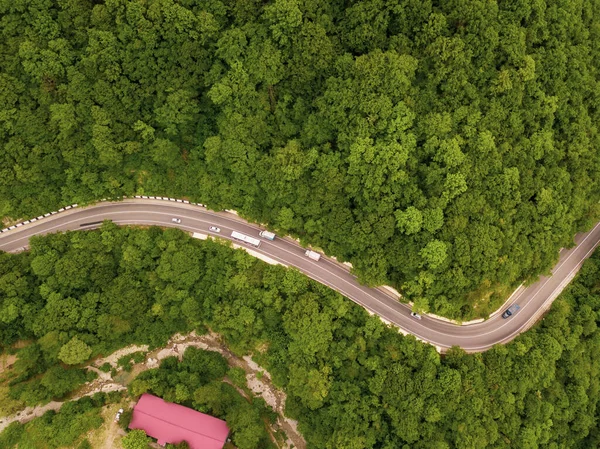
(534, 300)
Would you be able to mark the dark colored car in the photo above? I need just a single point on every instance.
(511, 311)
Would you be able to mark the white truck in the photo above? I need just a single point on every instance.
(312, 255)
(245, 238)
(267, 235)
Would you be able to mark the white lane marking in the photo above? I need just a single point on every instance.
(543, 305)
(358, 286)
(551, 297)
(88, 217)
(211, 213)
(398, 312)
(394, 320)
(104, 214)
(548, 279)
(317, 265)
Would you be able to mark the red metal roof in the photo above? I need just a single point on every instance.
(173, 423)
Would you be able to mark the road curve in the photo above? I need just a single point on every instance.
(534, 300)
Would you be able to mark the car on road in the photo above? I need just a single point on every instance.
(312, 255)
(511, 311)
(176, 220)
(214, 229)
(267, 235)
(415, 315)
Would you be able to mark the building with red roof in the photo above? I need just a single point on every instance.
(173, 423)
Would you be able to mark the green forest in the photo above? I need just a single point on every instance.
(351, 381)
(449, 148)
(64, 428)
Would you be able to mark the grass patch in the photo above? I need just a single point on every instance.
(109, 433)
(105, 368)
(486, 300)
(8, 405)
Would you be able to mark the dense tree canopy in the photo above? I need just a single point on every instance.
(136, 439)
(350, 380)
(447, 147)
(74, 352)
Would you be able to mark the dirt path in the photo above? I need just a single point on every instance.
(258, 380)
(28, 413)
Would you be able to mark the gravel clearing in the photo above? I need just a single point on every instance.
(112, 359)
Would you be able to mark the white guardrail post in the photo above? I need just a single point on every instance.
(72, 206)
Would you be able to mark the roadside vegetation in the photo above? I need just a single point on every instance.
(448, 148)
(350, 380)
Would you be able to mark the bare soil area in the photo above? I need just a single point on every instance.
(6, 361)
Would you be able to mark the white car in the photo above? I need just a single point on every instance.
(176, 220)
(214, 229)
(415, 315)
